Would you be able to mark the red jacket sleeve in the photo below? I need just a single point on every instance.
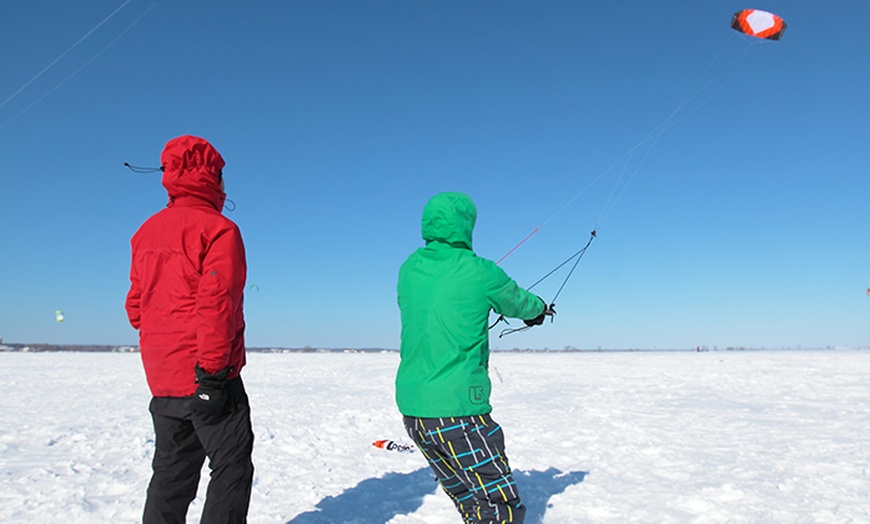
(134, 300)
(219, 299)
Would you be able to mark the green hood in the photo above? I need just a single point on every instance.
(449, 218)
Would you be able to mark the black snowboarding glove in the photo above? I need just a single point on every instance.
(209, 403)
(549, 311)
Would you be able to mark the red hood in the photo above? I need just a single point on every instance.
(192, 167)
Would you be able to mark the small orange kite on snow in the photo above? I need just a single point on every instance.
(390, 445)
(757, 23)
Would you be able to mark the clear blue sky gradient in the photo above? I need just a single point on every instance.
(742, 223)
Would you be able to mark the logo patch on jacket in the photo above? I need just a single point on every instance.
(475, 395)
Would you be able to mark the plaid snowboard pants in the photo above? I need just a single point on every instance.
(467, 456)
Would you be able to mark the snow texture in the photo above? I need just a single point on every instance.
(666, 437)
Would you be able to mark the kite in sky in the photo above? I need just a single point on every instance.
(760, 24)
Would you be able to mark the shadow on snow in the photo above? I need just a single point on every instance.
(536, 488)
(373, 500)
(378, 500)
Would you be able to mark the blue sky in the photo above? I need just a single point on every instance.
(726, 176)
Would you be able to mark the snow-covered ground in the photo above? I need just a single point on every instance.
(762, 436)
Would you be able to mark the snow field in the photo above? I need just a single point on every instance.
(761, 436)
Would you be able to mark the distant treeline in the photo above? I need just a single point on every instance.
(75, 348)
(95, 348)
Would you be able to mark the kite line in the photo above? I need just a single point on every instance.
(77, 71)
(754, 23)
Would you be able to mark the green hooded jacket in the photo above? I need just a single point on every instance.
(445, 294)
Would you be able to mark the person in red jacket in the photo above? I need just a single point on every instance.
(187, 280)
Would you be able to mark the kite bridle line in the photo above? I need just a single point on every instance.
(552, 307)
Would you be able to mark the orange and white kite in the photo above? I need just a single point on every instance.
(390, 445)
(757, 23)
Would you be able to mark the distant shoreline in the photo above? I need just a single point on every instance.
(14, 347)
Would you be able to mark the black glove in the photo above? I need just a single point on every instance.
(549, 311)
(209, 403)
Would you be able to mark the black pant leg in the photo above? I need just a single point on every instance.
(178, 459)
(229, 444)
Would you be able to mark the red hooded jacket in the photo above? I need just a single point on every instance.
(187, 275)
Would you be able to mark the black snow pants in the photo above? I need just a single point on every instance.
(182, 442)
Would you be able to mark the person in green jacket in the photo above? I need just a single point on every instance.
(445, 295)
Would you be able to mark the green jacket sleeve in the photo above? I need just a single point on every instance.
(509, 299)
